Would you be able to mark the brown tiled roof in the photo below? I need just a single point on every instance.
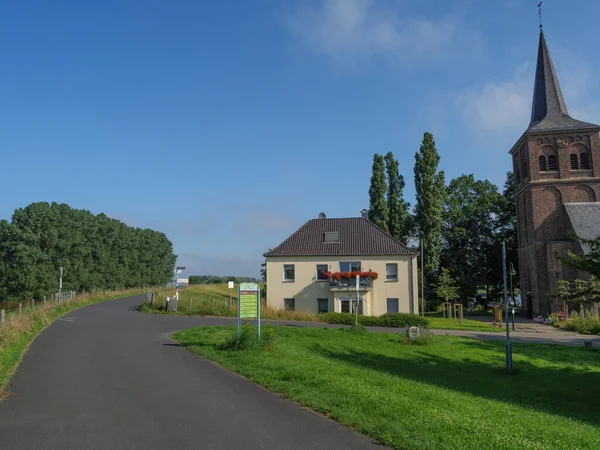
(357, 236)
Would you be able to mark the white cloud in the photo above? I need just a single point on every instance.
(498, 106)
(505, 106)
(351, 30)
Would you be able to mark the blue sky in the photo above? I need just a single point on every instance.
(228, 124)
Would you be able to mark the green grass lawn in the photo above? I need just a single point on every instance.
(467, 324)
(452, 393)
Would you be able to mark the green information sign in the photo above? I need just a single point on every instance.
(248, 303)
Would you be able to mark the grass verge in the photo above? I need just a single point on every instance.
(213, 300)
(440, 323)
(20, 331)
(450, 393)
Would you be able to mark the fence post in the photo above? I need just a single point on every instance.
(2, 318)
(32, 304)
(20, 308)
(190, 310)
(44, 300)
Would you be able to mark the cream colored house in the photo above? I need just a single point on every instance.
(303, 271)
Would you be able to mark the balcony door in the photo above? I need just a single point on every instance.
(348, 305)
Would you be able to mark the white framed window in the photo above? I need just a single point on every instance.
(322, 305)
(392, 305)
(348, 305)
(321, 269)
(391, 271)
(349, 266)
(289, 272)
(289, 304)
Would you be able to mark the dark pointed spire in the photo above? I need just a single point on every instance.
(549, 110)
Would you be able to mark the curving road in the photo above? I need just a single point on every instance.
(107, 377)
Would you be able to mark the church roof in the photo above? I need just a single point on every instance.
(549, 110)
(585, 219)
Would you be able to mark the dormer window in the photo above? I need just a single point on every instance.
(543, 166)
(585, 161)
(331, 236)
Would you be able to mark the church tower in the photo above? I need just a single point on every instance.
(556, 165)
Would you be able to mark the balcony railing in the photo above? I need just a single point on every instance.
(350, 283)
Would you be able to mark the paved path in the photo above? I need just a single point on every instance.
(107, 377)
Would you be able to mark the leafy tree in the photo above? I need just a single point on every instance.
(446, 288)
(430, 194)
(470, 246)
(95, 252)
(590, 262)
(398, 218)
(378, 207)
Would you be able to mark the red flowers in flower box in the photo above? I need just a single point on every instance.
(337, 276)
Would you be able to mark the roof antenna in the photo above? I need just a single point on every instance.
(540, 14)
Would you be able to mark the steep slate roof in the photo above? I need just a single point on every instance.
(585, 219)
(357, 237)
(549, 110)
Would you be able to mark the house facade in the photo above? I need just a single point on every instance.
(315, 269)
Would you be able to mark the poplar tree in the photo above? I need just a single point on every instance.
(398, 218)
(378, 207)
(430, 194)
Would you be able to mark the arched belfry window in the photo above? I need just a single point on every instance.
(543, 166)
(552, 163)
(585, 161)
(574, 162)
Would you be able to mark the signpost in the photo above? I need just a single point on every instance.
(178, 269)
(357, 285)
(248, 304)
(230, 285)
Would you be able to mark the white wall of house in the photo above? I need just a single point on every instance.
(305, 289)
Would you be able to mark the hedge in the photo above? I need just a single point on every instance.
(398, 320)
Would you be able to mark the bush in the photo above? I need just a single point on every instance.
(404, 320)
(584, 323)
(248, 338)
(397, 320)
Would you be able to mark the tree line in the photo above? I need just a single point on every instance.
(95, 251)
(214, 279)
(461, 224)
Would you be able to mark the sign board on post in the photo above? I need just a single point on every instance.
(230, 284)
(248, 304)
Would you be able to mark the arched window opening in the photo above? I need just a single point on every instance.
(552, 163)
(585, 161)
(574, 162)
(543, 167)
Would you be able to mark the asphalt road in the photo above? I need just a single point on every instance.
(107, 377)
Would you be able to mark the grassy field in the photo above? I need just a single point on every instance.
(213, 300)
(451, 393)
(20, 331)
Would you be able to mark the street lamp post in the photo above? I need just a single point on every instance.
(508, 346)
(513, 272)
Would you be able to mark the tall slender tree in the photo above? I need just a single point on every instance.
(430, 194)
(398, 219)
(378, 207)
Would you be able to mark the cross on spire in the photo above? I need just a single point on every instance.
(540, 14)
